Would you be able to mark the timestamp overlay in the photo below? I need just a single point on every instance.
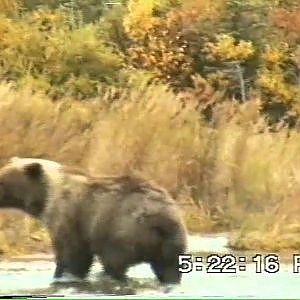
(231, 264)
(224, 273)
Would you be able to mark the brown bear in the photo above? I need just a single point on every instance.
(121, 220)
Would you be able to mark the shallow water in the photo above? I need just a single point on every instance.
(33, 275)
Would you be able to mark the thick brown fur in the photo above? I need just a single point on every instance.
(121, 220)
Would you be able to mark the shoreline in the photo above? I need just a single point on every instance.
(199, 244)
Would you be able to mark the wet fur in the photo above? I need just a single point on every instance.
(121, 220)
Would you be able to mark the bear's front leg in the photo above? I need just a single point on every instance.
(72, 258)
(58, 248)
(59, 270)
(60, 273)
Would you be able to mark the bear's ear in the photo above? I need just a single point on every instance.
(33, 170)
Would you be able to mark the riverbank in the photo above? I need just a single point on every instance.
(32, 274)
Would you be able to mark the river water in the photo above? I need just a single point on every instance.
(33, 275)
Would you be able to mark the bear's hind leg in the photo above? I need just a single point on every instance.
(115, 263)
(116, 272)
(79, 264)
(166, 271)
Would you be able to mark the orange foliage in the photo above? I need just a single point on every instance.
(169, 44)
(288, 22)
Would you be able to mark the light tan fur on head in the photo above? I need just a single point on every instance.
(47, 164)
(22, 186)
(52, 169)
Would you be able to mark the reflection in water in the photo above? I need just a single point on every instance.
(35, 277)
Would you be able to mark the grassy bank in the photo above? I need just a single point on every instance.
(230, 174)
(20, 234)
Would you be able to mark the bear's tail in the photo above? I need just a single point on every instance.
(173, 243)
(173, 235)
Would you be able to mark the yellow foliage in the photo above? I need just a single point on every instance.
(21, 46)
(47, 19)
(161, 48)
(296, 57)
(273, 56)
(226, 48)
(43, 48)
(140, 20)
(274, 82)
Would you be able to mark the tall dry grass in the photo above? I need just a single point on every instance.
(237, 174)
(32, 125)
(9, 7)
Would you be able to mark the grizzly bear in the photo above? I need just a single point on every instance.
(122, 221)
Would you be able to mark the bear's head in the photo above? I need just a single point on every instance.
(24, 184)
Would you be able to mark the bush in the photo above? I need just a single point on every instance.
(45, 49)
